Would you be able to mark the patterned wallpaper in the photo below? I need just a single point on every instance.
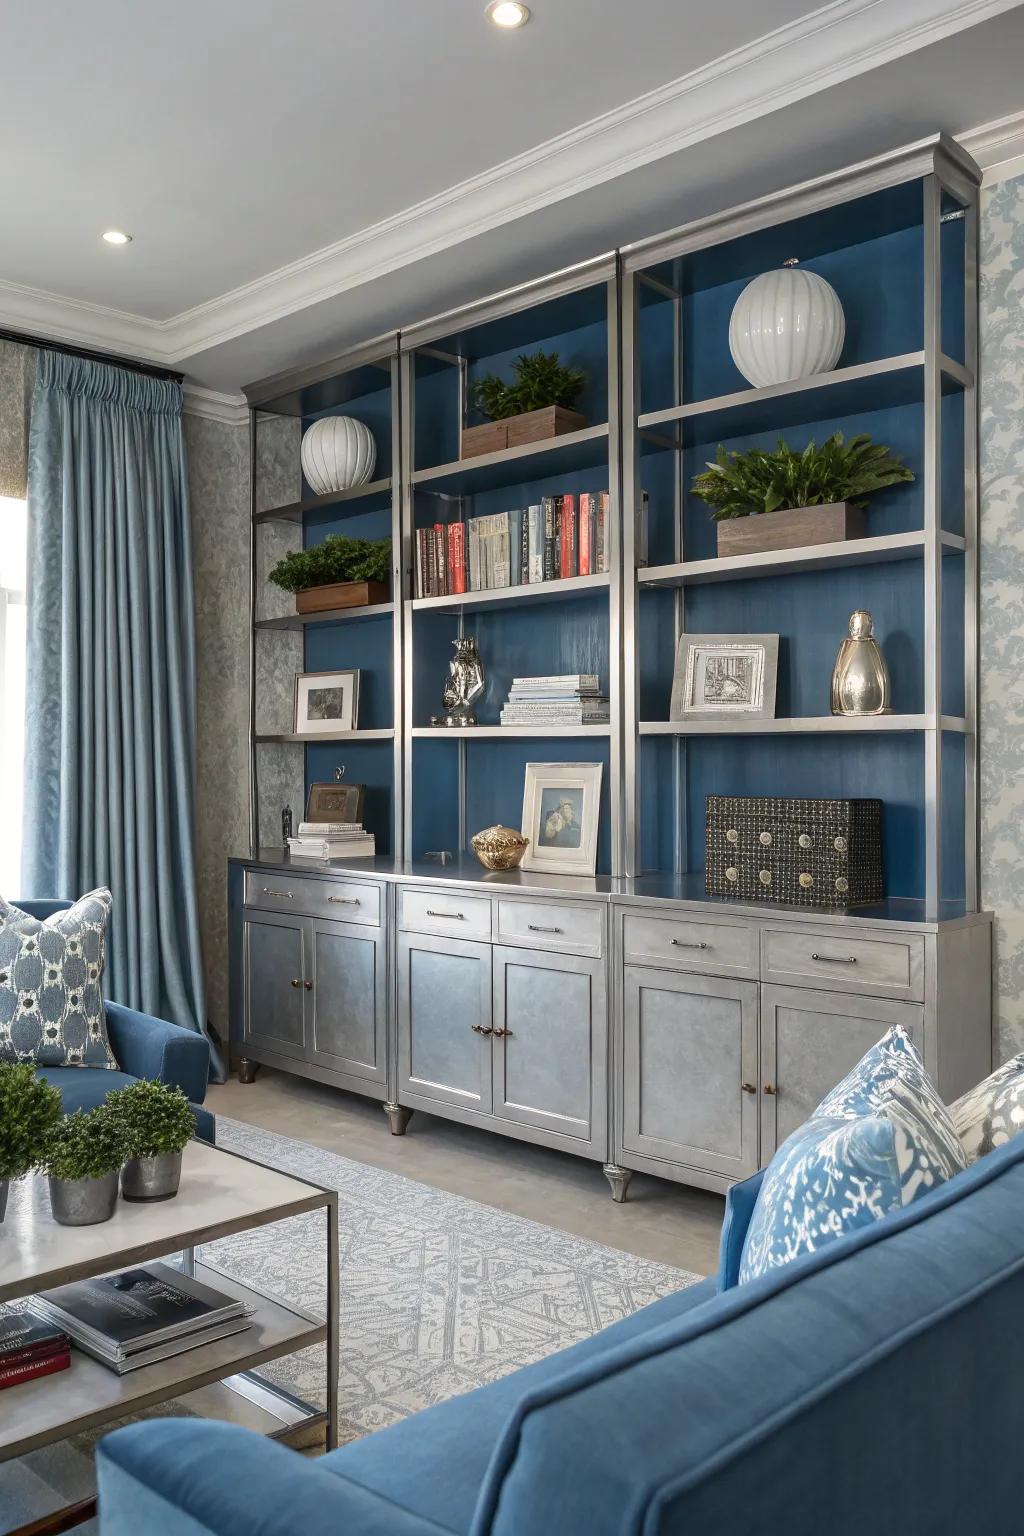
(1002, 596)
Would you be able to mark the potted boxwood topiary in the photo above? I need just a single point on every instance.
(337, 573)
(158, 1124)
(538, 404)
(82, 1158)
(29, 1109)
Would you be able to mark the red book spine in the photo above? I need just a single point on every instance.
(10, 1376)
(458, 537)
(40, 1351)
(565, 539)
(586, 558)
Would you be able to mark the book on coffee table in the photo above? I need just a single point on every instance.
(141, 1315)
(30, 1347)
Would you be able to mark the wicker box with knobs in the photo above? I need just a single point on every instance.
(804, 853)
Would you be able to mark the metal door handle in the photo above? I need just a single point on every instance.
(279, 895)
(749, 1087)
(460, 915)
(344, 901)
(539, 928)
(296, 981)
(498, 1033)
(308, 986)
(835, 959)
(770, 1089)
(481, 1029)
(689, 944)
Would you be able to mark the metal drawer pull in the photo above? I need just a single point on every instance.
(281, 895)
(689, 944)
(296, 981)
(344, 901)
(770, 1089)
(835, 959)
(499, 1033)
(308, 986)
(749, 1087)
(481, 1029)
(539, 928)
(460, 915)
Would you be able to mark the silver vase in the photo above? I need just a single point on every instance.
(151, 1178)
(84, 1202)
(860, 677)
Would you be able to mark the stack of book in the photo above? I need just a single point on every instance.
(571, 699)
(141, 1315)
(559, 537)
(30, 1346)
(332, 840)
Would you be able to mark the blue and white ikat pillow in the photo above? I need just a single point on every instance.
(51, 985)
(878, 1141)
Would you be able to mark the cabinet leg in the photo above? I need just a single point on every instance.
(247, 1070)
(398, 1117)
(619, 1179)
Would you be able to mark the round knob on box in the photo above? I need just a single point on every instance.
(765, 838)
(765, 876)
(806, 880)
(805, 841)
(732, 873)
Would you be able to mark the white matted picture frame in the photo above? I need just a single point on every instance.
(326, 702)
(725, 677)
(561, 805)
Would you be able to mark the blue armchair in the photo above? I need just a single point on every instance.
(143, 1047)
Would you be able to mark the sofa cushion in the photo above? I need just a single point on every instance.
(988, 1115)
(85, 1087)
(433, 1462)
(51, 985)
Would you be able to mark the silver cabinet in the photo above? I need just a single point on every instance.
(689, 1071)
(809, 1041)
(347, 1007)
(444, 1022)
(550, 1047)
(273, 958)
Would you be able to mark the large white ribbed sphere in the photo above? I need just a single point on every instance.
(337, 453)
(787, 324)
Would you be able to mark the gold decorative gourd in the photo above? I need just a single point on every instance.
(500, 847)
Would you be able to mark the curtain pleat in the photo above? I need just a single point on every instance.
(111, 708)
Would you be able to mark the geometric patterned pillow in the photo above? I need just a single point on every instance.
(992, 1112)
(51, 985)
(879, 1141)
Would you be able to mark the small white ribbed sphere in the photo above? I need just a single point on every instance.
(785, 325)
(337, 453)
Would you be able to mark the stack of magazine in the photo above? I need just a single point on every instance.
(141, 1315)
(563, 699)
(332, 840)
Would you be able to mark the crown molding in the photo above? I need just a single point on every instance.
(212, 405)
(837, 42)
(998, 148)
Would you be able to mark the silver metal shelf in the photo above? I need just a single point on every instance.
(295, 511)
(509, 466)
(803, 725)
(327, 616)
(812, 557)
(540, 592)
(312, 740)
(511, 732)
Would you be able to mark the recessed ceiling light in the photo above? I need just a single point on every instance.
(507, 14)
(116, 237)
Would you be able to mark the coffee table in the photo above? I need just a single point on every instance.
(221, 1193)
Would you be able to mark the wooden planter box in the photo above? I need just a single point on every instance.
(513, 431)
(791, 529)
(342, 594)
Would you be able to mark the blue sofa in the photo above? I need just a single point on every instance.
(871, 1387)
(143, 1047)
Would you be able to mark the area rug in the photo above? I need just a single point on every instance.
(439, 1294)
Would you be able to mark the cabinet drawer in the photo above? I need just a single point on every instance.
(449, 912)
(577, 930)
(690, 944)
(847, 962)
(346, 901)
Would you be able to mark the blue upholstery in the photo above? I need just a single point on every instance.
(144, 1047)
(871, 1385)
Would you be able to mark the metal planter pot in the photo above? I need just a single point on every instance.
(84, 1202)
(5, 1185)
(151, 1178)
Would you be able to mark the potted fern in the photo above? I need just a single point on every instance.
(536, 405)
(158, 1124)
(82, 1158)
(782, 499)
(30, 1107)
(338, 573)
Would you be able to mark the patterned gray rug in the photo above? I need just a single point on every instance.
(439, 1295)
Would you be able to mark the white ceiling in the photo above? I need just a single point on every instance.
(392, 157)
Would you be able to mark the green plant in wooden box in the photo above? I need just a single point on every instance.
(158, 1124)
(782, 498)
(537, 404)
(82, 1157)
(29, 1109)
(338, 573)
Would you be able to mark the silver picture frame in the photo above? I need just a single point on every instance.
(725, 677)
(326, 702)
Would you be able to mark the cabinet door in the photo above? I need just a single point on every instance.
(275, 997)
(551, 1045)
(809, 1040)
(690, 1070)
(444, 990)
(348, 1004)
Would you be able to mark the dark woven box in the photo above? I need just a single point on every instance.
(806, 853)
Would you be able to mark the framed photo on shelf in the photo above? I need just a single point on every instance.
(335, 802)
(326, 702)
(561, 802)
(725, 677)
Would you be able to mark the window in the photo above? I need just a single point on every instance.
(13, 536)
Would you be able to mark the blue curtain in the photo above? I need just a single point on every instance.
(111, 704)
